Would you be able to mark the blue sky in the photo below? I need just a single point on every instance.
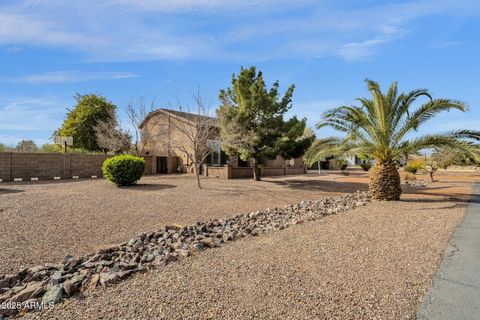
(164, 50)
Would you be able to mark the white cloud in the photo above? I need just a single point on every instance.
(193, 5)
(26, 28)
(445, 44)
(68, 77)
(359, 50)
(131, 30)
(30, 113)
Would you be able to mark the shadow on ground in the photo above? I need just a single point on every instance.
(148, 187)
(321, 185)
(8, 191)
(41, 182)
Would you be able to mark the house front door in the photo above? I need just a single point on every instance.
(162, 165)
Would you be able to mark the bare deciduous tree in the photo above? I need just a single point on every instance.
(137, 112)
(111, 137)
(442, 158)
(199, 134)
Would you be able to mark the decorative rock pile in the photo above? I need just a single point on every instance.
(43, 286)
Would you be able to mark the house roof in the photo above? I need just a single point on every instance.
(189, 117)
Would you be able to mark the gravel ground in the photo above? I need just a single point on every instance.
(374, 262)
(43, 221)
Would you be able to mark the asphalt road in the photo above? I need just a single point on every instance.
(455, 293)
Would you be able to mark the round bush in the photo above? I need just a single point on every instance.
(365, 166)
(413, 166)
(342, 164)
(123, 170)
(410, 169)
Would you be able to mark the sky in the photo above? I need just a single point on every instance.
(163, 51)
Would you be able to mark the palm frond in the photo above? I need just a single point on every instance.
(322, 149)
(448, 140)
(425, 112)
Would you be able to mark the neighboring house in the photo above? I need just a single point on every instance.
(164, 141)
(333, 163)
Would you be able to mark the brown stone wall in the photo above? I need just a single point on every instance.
(46, 166)
(229, 172)
(295, 170)
(270, 172)
(5, 163)
(217, 172)
(240, 172)
(295, 162)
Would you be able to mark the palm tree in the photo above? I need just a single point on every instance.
(382, 127)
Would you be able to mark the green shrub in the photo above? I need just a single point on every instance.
(342, 164)
(123, 170)
(413, 166)
(365, 166)
(410, 169)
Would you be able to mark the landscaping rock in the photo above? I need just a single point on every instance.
(33, 290)
(198, 246)
(72, 285)
(54, 295)
(156, 249)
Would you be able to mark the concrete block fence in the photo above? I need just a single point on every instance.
(16, 166)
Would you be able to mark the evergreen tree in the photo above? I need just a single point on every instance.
(252, 123)
(26, 146)
(81, 121)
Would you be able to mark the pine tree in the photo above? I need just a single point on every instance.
(252, 122)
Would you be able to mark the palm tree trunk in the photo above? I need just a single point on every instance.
(385, 181)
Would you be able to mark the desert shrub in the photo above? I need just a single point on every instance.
(410, 169)
(123, 170)
(413, 166)
(365, 166)
(408, 176)
(342, 164)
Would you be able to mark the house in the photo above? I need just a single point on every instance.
(164, 140)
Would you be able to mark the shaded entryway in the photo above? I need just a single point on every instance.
(162, 165)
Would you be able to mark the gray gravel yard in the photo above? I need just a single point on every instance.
(373, 262)
(43, 221)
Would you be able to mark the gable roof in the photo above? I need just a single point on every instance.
(181, 115)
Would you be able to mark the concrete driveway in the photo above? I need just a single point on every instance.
(455, 293)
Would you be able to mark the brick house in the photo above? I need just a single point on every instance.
(162, 137)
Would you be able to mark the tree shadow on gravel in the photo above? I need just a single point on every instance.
(42, 182)
(8, 191)
(147, 187)
(458, 203)
(321, 185)
(461, 198)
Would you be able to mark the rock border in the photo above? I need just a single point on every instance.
(44, 286)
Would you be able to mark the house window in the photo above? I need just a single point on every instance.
(215, 157)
